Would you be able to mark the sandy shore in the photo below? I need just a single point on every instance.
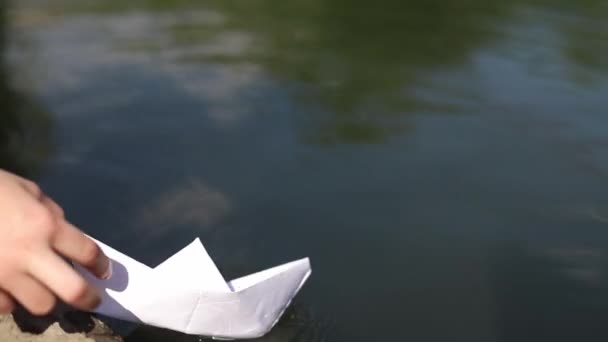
(59, 326)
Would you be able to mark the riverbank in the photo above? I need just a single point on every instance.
(59, 326)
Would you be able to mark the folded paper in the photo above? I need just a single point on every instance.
(187, 293)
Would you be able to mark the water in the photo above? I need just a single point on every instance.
(444, 165)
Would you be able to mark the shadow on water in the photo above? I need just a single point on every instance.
(297, 325)
(25, 127)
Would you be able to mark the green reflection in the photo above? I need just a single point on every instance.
(24, 126)
(357, 67)
(586, 40)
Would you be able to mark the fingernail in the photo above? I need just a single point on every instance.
(108, 274)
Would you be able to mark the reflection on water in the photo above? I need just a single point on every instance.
(190, 204)
(563, 286)
(443, 165)
(24, 126)
(356, 66)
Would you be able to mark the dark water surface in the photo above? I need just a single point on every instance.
(444, 164)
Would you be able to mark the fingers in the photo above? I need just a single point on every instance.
(72, 243)
(7, 305)
(37, 193)
(31, 187)
(53, 207)
(34, 296)
(44, 276)
(64, 281)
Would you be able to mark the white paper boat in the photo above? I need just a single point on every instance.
(187, 293)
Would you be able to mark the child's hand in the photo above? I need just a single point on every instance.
(34, 236)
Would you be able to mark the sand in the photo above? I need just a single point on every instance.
(60, 326)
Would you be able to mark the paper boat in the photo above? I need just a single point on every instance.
(187, 293)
